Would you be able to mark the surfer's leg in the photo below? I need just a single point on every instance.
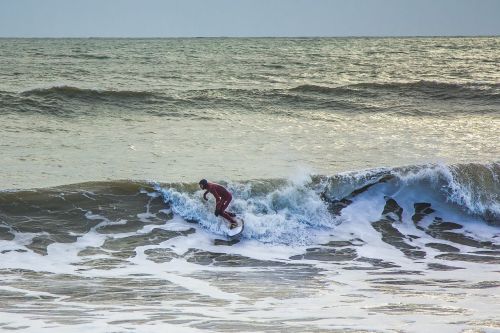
(224, 207)
(228, 217)
(224, 204)
(218, 208)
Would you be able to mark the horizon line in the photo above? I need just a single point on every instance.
(242, 37)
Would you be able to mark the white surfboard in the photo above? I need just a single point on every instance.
(235, 232)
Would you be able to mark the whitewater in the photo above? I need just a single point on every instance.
(366, 169)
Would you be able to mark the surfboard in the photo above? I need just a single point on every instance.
(235, 232)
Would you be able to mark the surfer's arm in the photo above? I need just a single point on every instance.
(214, 193)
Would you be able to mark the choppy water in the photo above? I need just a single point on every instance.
(409, 244)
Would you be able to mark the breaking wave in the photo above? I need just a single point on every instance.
(275, 210)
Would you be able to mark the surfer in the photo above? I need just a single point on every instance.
(222, 200)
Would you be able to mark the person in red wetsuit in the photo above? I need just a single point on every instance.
(222, 200)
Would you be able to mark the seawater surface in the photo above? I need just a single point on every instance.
(366, 169)
(173, 110)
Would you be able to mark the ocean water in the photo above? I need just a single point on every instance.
(367, 171)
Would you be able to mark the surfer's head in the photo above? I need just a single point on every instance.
(203, 183)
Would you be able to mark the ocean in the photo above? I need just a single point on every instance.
(367, 171)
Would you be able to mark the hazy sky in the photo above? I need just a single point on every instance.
(170, 18)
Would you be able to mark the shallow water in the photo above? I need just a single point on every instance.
(286, 125)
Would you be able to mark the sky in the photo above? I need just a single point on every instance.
(247, 18)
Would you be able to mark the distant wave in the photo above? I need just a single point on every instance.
(312, 88)
(68, 101)
(421, 98)
(274, 66)
(89, 56)
(76, 56)
(433, 89)
(75, 92)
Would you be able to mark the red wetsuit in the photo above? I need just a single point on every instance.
(222, 200)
